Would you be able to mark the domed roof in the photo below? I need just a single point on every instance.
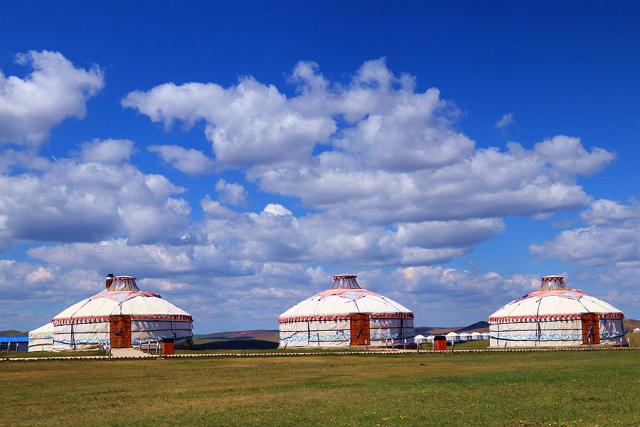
(554, 298)
(122, 296)
(343, 298)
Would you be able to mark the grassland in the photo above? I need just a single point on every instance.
(481, 389)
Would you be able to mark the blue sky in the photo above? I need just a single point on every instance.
(234, 156)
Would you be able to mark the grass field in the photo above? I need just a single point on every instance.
(586, 388)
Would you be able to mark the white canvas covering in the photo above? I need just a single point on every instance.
(41, 339)
(553, 318)
(323, 320)
(86, 325)
(452, 337)
(419, 339)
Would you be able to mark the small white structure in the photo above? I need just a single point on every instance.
(485, 335)
(464, 336)
(41, 339)
(636, 330)
(419, 339)
(555, 315)
(346, 315)
(476, 336)
(452, 337)
(430, 338)
(120, 316)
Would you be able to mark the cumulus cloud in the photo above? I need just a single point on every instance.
(612, 236)
(232, 194)
(505, 121)
(247, 124)
(107, 151)
(55, 90)
(191, 162)
(91, 197)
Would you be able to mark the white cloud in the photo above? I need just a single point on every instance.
(612, 237)
(505, 121)
(89, 198)
(247, 124)
(55, 90)
(232, 194)
(107, 151)
(276, 209)
(191, 162)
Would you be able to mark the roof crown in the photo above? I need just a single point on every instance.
(552, 283)
(345, 281)
(123, 283)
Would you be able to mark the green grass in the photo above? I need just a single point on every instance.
(480, 389)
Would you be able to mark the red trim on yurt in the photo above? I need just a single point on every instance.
(550, 317)
(144, 317)
(334, 317)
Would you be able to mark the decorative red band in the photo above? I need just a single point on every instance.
(134, 317)
(550, 317)
(335, 317)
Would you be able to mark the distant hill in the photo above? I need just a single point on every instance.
(631, 324)
(478, 326)
(12, 333)
(260, 334)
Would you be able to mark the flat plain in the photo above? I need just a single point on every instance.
(590, 388)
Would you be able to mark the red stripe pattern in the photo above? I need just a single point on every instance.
(334, 317)
(139, 317)
(550, 317)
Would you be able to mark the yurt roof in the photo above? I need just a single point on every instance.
(560, 302)
(44, 329)
(122, 302)
(451, 334)
(343, 298)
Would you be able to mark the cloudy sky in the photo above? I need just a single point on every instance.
(234, 156)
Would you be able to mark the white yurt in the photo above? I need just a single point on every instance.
(476, 336)
(452, 337)
(555, 315)
(41, 339)
(636, 330)
(346, 315)
(464, 336)
(419, 339)
(120, 316)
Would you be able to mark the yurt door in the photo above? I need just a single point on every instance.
(590, 328)
(120, 331)
(360, 334)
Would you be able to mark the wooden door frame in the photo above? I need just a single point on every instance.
(590, 328)
(120, 331)
(360, 324)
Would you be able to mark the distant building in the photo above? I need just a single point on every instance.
(555, 315)
(11, 344)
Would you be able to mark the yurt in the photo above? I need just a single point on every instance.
(346, 315)
(41, 339)
(476, 336)
(452, 337)
(419, 339)
(120, 316)
(464, 336)
(555, 315)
